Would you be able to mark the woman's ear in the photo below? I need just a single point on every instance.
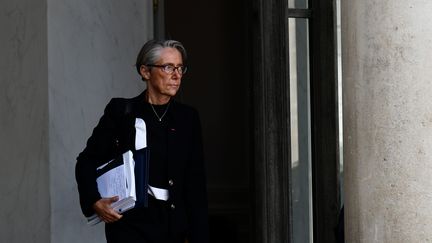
(145, 72)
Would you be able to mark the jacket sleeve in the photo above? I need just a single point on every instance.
(98, 149)
(196, 188)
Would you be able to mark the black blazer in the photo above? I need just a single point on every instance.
(115, 134)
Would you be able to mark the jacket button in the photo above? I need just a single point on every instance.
(172, 206)
(171, 182)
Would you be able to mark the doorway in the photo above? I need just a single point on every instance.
(240, 68)
(217, 84)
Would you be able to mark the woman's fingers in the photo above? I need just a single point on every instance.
(104, 210)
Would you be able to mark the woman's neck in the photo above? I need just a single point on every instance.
(157, 99)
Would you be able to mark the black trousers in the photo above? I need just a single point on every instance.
(144, 225)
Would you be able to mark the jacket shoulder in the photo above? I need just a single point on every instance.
(119, 106)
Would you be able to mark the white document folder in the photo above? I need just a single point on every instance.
(117, 180)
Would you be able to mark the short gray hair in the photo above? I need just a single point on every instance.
(150, 52)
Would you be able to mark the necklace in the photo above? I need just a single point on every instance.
(154, 111)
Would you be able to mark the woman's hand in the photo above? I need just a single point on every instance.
(104, 210)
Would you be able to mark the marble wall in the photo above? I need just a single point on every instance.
(61, 63)
(92, 46)
(24, 174)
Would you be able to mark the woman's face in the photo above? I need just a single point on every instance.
(160, 84)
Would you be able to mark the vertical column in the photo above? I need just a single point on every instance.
(387, 70)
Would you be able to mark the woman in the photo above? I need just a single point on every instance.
(176, 164)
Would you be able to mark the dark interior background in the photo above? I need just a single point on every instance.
(215, 34)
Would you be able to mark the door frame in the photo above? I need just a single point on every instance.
(271, 103)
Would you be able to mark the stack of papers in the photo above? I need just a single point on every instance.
(117, 178)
